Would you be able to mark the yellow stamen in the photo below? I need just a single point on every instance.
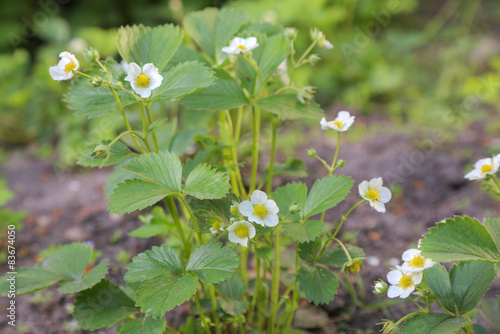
(406, 282)
(373, 195)
(417, 262)
(216, 225)
(242, 231)
(142, 80)
(241, 47)
(486, 169)
(69, 67)
(339, 124)
(260, 211)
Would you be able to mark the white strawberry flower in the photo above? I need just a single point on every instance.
(217, 227)
(414, 261)
(484, 167)
(342, 123)
(402, 283)
(320, 38)
(143, 80)
(65, 67)
(260, 210)
(375, 194)
(240, 232)
(241, 45)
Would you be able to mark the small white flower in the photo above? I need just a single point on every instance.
(376, 195)
(403, 283)
(217, 227)
(414, 262)
(305, 94)
(342, 123)
(143, 80)
(260, 210)
(320, 38)
(326, 44)
(240, 232)
(241, 45)
(124, 65)
(64, 69)
(484, 167)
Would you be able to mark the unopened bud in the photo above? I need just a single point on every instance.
(233, 209)
(294, 208)
(380, 287)
(291, 33)
(117, 85)
(314, 59)
(96, 81)
(311, 153)
(305, 94)
(91, 55)
(341, 163)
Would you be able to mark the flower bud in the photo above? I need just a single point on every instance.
(234, 209)
(379, 287)
(117, 85)
(91, 55)
(311, 153)
(355, 266)
(293, 209)
(291, 33)
(96, 81)
(314, 59)
(388, 327)
(340, 163)
(305, 94)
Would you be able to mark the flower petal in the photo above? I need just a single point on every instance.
(385, 194)
(394, 276)
(258, 197)
(394, 291)
(246, 208)
(407, 292)
(376, 183)
(271, 220)
(410, 254)
(271, 206)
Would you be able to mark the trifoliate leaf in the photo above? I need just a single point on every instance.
(103, 306)
(459, 239)
(289, 106)
(433, 323)
(142, 45)
(304, 232)
(93, 157)
(28, 280)
(308, 251)
(162, 294)
(143, 325)
(213, 264)
(438, 280)
(290, 194)
(204, 182)
(317, 283)
(233, 288)
(94, 276)
(153, 263)
(326, 193)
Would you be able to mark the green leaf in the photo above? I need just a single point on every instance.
(90, 101)
(157, 125)
(183, 79)
(103, 306)
(5, 194)
(268, 56)
(207, 209)
(317, 283)
(152, 263)
(204, 182)
(234, 307)
(438, 281)
(262, 27)
(470, 281)
(212, 29)
(433, 323)
(94, 157)
(148, 231)
(459, 239)
(233, 288)
(293, 166)
(265, 253)
(304, 232)
(289, 106)
(28, 280)
(93, 277)
(490, 310)
(162, 294)
(186, 53)
(336, 257)
(492, 225)
(289, 194)
(308, 251)
(213, 264)
(191, 163)
(143, 325)
(326, 193)
(142, 45)
(225, 94)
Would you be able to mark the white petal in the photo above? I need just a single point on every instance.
(213, 231)
(229, 50)
(394, 276)
(251, 231)
(348, 122)
(271, 206)
(343, 115)
(376, 183)
(323, 123)
(233, 237)
(57, 73)
(149, 69)
(258, 197)
(394, 291)
(385, 194)
(417, 277)
(251, 42)
(407, 292)
(143, 92)
(246, 208)
(378, 206)
(271, 220)
(244, 242)
(156, 80)
(133, 70)
(481, 162)
(363, 188)
(474, 175)
(410, 254)
(256, 220)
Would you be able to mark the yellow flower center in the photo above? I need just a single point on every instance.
(142, 80)
(69, 67)
(486, 169)
(216, 225)
(241, 47)
(373, 195)
(339, 124)
(242, 231)
(406, 282)
(260, 211)
(417, 262)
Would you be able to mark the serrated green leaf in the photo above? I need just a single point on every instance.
(270, 53)
(438, 281)
(262, 27)
(212, 29)
(102, 306)
(118, 175)
(186, 53)
(233, 288)
(153, 263)
(289, 194)
(492, 225)
(191, 163)
(204, 182)
(90, 101)
(336, 257)
(265, 253)
(470, 281)
(459, 239)
(28, 280)
(148, 231)
(208, 209)
(213, 264)
(308, 251)
(326, 193)
(289, 106)
(162, 294)
(92, 158)
(143, 325)
(144, 45)
(94, 276)
(490, 310)
(433, 323)
(157, 125)
(234, 307)
(183, 79)
(225, 94)
(304, 232)
(317, 283)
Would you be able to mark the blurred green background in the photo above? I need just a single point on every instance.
(414, 63)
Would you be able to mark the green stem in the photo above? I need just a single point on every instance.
(295, 296)
(234, 147)
(275, 282)
(155, 140)
(200, 311)
(144, 128)
(225, 135)
(244, 257)
(169, 202)
(256, 68)
(256, 289)
(274, 126)
(297, 64)
(419, 307)
(255, 148)
(333, 167)
(214, 306)
(123, 134)
(83, 74)
(200, 238)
